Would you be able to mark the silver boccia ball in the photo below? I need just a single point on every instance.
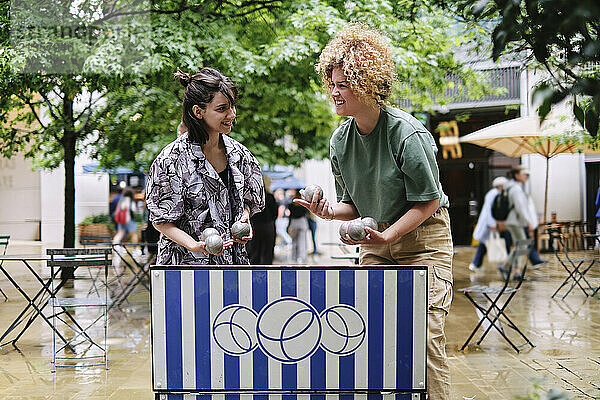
(240, 229)
(208, 232)
(214, 244)
(370, 222)
(344, 229)
(309, 192)
(356, 230)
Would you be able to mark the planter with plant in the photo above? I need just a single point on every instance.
(96, 225)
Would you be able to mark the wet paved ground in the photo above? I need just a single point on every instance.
(566, 334)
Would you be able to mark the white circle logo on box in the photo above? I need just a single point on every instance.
(289, 329)
(343, 329)
(233, 329)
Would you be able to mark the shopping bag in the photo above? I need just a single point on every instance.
(496, 248)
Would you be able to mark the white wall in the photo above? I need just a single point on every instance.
(91, 197)
(566, 171)
(564, 185)
(52, 189)
(92, 191)
(20, 213)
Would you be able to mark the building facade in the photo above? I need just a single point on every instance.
(33, 200)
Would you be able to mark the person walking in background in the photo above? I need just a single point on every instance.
(312, 226)
(486, 223)
(297, 229)
(125, 219)
(204, 178)
(282, 222)
(384, 164)
(534, 257)
(113, 204)
(261, 248)
(520, 222)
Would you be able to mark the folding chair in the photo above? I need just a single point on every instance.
(104, 241)
(94, 240)
(3, 245)
(576, 268)
(139, 269)
(496, 299)
(93, 352)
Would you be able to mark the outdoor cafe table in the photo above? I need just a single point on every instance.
(37, 302)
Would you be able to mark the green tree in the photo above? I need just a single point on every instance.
(60, 59)
(96, 75)
(283, 116)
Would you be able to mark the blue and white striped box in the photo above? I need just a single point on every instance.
(298, 329)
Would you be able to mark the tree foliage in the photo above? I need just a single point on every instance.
(561, 36)
(283, 116)
(96, 75)
(60, 61)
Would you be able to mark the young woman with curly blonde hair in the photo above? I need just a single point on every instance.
(384, 164)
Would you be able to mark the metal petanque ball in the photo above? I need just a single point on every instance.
(370, 222)
(240, 229)
(356, 230)
(309, 192)
(214, 244)
(208, 232)
(344, 229)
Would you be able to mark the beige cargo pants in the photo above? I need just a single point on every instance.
(429, 244)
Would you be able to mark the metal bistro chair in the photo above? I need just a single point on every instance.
(496, 299)
(64, 309)
(3, 245)
(576, 268)
(139, 269)
(121, 252)
(103, 241)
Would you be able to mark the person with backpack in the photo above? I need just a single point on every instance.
(112, 206)
(123, 217)
(487, 223)
(520, 222)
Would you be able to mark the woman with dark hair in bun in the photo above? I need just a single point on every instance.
(204, 178)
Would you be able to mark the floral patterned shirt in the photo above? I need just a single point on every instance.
(183, 188)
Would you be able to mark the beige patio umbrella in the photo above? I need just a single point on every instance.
(520, 136)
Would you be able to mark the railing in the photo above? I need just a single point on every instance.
(507, 78)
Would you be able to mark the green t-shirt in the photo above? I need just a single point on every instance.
(385, 172)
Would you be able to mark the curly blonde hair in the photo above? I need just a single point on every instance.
(365, 59)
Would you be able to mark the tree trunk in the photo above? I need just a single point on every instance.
(68, 142)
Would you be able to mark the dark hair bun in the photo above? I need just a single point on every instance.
(184, 77)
